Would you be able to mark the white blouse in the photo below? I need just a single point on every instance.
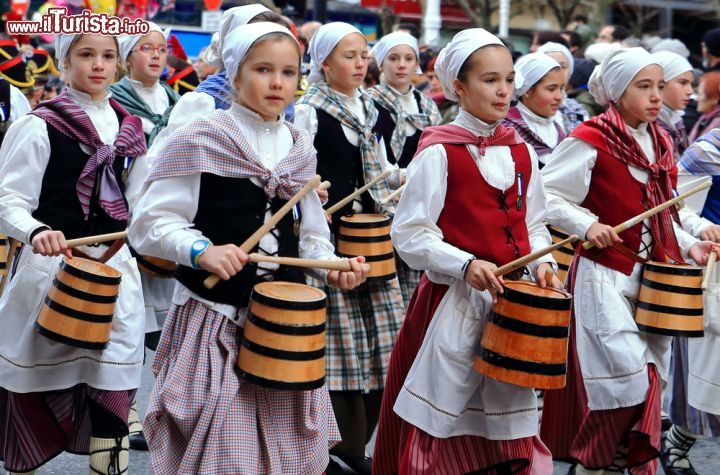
(19, 105)
(567, 177)
(162, 223)
(24, 155)
(544, 127)
(415, 232)
(409, 104)
(154, 96)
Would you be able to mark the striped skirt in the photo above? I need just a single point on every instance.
(202, 418)
(36, 427)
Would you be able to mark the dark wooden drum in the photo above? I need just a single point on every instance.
(671, 300)
(283, 343)
(525, 339)
(564, 255)
(80, 305)
(368, 235)
(3, 254)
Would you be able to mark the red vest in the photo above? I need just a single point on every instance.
(479, 218)
(614, 197)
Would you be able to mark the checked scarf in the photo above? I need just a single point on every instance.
(456, 135)
(215, 144)
(387, 97)
(615, 139)
(515, 120)
(321, 96)
(124, 93)
(698, 161)
(66, 115)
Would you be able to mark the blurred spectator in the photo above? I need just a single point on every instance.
(578, 90)
(580, 25)
(448, 109)
(711, 50)
(542, 37)
(612, 34)
(708, 103)
(574, 41)
(53, 87)
(411, 28)
(372, 78)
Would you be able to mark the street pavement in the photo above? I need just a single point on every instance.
(705, 456)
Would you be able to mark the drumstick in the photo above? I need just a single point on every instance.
(98, 238)
(357, 192)
(297, 262)
(11, 255)
(518, 263)
(653, 211)
(250, 242)
(710, 264)
(392, 195)
(324, 185)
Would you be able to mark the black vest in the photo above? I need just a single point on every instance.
(59, 206)
(340, 162)
(411, 142)
(229, 211)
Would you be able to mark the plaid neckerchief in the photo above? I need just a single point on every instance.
(321, 96)
(698, 161)
(387, 97)
(124, 93)
(573, 114)
(215, 144)
(515, 120)
(65, 114)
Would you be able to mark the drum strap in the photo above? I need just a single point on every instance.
(111, 251)
(625, 251)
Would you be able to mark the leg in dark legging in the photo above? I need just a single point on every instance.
(373, 401)
(350, 415)
(109, 448)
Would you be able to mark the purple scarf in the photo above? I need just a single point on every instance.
(515, 120)
(65, 114)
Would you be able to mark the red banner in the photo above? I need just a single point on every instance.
(449, 9)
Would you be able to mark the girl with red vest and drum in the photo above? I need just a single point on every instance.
(612, 168)
(473, 201)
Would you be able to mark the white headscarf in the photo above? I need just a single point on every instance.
(388, 42)
(610, 79)
(229, 21)
(238, 43)
(598, 51)
(671, 44)
(322, 44)
(62, 48)
(454, 55)
(673, 64)
(530, 69)
(552, 47)
(128, 42)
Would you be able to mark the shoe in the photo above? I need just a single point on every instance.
(361, 465)
(137, 441)
(334, 468)
(678, 453)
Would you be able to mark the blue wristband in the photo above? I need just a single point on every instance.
(198, 249)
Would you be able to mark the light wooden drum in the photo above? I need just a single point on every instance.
(671, 300)
(80, 305)
(155, 266)
(283, 343)
(368, 235)
(3, 254)
(525, 339)
(564, 255)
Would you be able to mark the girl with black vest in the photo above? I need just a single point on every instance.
(612, 168)
(219, 179)
(60, 179)
(407, 109)
(473, 177)
(362, 324)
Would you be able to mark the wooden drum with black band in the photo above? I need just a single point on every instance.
(368, 235)
(671, 300)
(564, 255)
(3, 255)
(79, 307)
(283, 343)
(525, 339)
(155, 266)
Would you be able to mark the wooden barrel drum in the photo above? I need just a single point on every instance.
(79, 307)
(155, 266)
(283, 343)
(368, 235)
(671, 300)
(3, 254)
(564, 255)
(525, 339)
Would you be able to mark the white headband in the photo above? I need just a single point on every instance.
(229, 21)
(673, 45)
(388, 42)
(322, 44)
(530, 69)
(552, 47)
(128, 42)
(62, 48)
(673, 64)
(610, 79)
(238, 43)
(454, 55)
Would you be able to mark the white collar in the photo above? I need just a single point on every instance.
(468, 121)
(83, 98)
(344, 97)
(253, 119)
(640, 130)
(400, 94)
(670, 116)
(530, 116)
(138, 84)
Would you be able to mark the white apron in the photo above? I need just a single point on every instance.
(613, 353)
(157, 294)
(30, 362)
(443, 395)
